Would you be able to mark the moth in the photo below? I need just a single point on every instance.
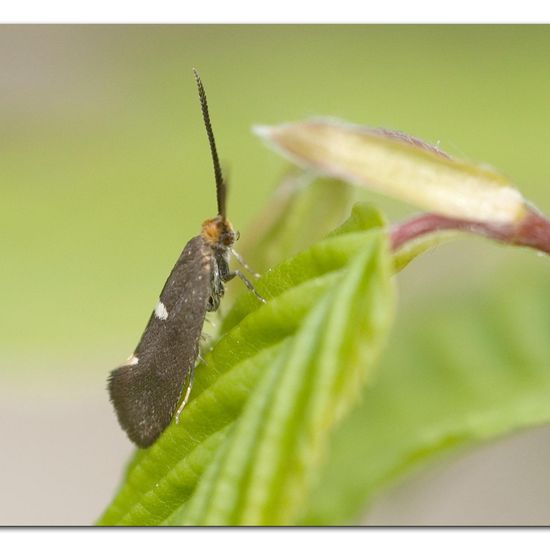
(147, 388)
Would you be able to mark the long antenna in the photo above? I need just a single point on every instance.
(220, 182)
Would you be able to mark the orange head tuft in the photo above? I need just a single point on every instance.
(219, 231)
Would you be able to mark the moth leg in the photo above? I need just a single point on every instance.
(186, 398)
(240, 259)
(247, 283)
(217, 288)
(214, 301)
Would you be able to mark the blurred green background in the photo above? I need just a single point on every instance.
(105, 174)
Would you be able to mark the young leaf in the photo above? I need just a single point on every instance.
(162, 478)
(399, 166)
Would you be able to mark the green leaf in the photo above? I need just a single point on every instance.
(162, 478)
(262, 475)
(468, 370)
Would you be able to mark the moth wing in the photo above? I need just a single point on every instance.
(145, 391)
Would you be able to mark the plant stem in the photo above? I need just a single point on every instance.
(532, 230)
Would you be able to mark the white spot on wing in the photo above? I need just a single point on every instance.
(161, 312)
(131, 361)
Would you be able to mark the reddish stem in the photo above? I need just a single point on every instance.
(533, 230)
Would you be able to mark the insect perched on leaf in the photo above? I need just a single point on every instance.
(146, 389)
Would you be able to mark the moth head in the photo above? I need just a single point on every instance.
(219, 231)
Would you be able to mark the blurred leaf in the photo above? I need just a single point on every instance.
(162, 478)
(299, 212)
(405, 254)
(262, 474)
(466, 371)
(399, 166)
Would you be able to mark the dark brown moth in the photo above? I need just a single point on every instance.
(146, 389)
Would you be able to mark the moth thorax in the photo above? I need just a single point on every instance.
(219, 232)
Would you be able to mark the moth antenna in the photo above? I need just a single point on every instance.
(221, 189)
